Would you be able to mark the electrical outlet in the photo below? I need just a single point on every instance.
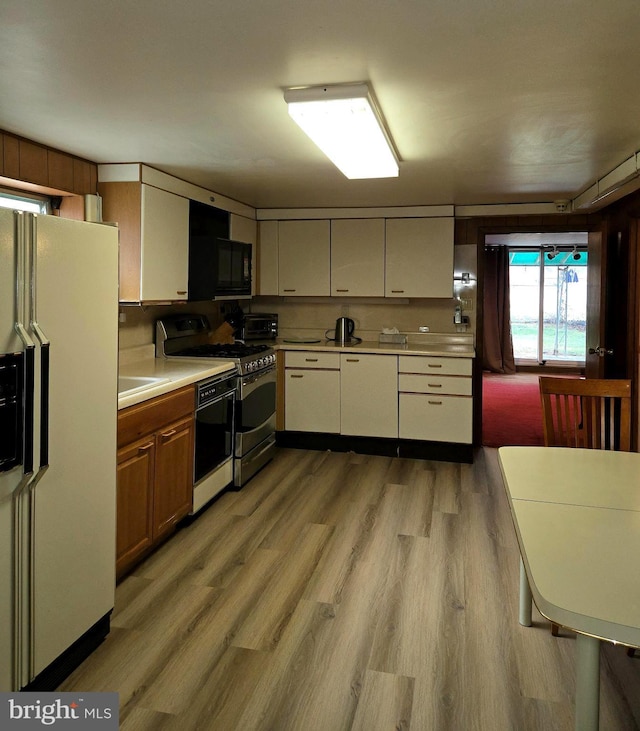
(466, 304)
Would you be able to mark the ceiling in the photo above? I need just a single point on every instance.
(488, 101)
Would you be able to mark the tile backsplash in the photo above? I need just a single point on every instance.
(306, 317)
(312, 317)
(139, 327)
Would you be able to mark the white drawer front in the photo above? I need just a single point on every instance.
(311, 359)
(436, 418)
(456, 385)
(435, 364)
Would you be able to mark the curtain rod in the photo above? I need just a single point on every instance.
(538, 247)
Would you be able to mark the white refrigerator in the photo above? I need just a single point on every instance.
(58, 417)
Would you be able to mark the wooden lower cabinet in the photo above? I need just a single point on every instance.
(136, 464)
(173, 479)
(155, 473)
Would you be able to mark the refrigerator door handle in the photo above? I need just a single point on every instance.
(44, 341)
(25, 338)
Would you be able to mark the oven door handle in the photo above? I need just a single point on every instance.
(254, 380)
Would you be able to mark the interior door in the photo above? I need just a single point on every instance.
(596, 307)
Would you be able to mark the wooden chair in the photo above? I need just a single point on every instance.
(592, 413)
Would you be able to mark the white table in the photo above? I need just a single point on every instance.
(577, 518)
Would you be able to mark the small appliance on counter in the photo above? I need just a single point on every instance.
(345, 327)
(259, 326)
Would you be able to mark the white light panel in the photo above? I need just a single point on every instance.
(342, 121)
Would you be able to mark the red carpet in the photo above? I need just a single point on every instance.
(511, 411)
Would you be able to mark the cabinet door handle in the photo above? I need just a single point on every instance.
(434, 385)
(311, 360)
(353, 360)
(288, 290)
(297, 375)
(168, 434)
(181, 291)
(342, 290)
(145, 447)
(435, 403)
(397, 291)
(434, 365)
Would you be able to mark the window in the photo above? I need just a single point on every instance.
(548, 291)
(23, 203)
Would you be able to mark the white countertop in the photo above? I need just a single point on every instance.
(442, 348)
(178, 372)
(174, 372)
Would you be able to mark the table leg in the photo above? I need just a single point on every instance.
(525, 597)
(587, 683)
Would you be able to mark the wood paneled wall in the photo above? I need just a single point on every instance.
(28, 165)
(622, 227)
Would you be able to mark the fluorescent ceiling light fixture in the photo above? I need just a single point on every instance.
(345, 123)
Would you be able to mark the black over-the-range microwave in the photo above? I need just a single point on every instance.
(218, 266)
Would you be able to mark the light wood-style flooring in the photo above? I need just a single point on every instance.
(340, 591)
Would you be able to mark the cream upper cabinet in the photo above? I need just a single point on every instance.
(304, 256)
(357, 257)
(244, 229)
(154, 240)
(164, 248)
(267, 258)
(419, 257)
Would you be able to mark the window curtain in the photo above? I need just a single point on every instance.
(498, 346)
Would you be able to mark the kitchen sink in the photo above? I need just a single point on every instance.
(130, 384)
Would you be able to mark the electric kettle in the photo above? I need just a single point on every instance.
(344, 330)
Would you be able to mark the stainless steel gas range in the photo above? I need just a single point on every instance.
(186, 336)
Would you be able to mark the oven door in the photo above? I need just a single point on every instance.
(255, 409)
(214, 435)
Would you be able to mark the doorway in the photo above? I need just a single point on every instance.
(546, 317)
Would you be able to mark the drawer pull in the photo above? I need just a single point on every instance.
(168, 434)
(342, 290)
(311, 360)
(181, 291)
(434, 365)
(435, 403)
(288, 290)
(434, 385)
(297, 375)
(397, 291)
(145, 447)
(353, 360)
